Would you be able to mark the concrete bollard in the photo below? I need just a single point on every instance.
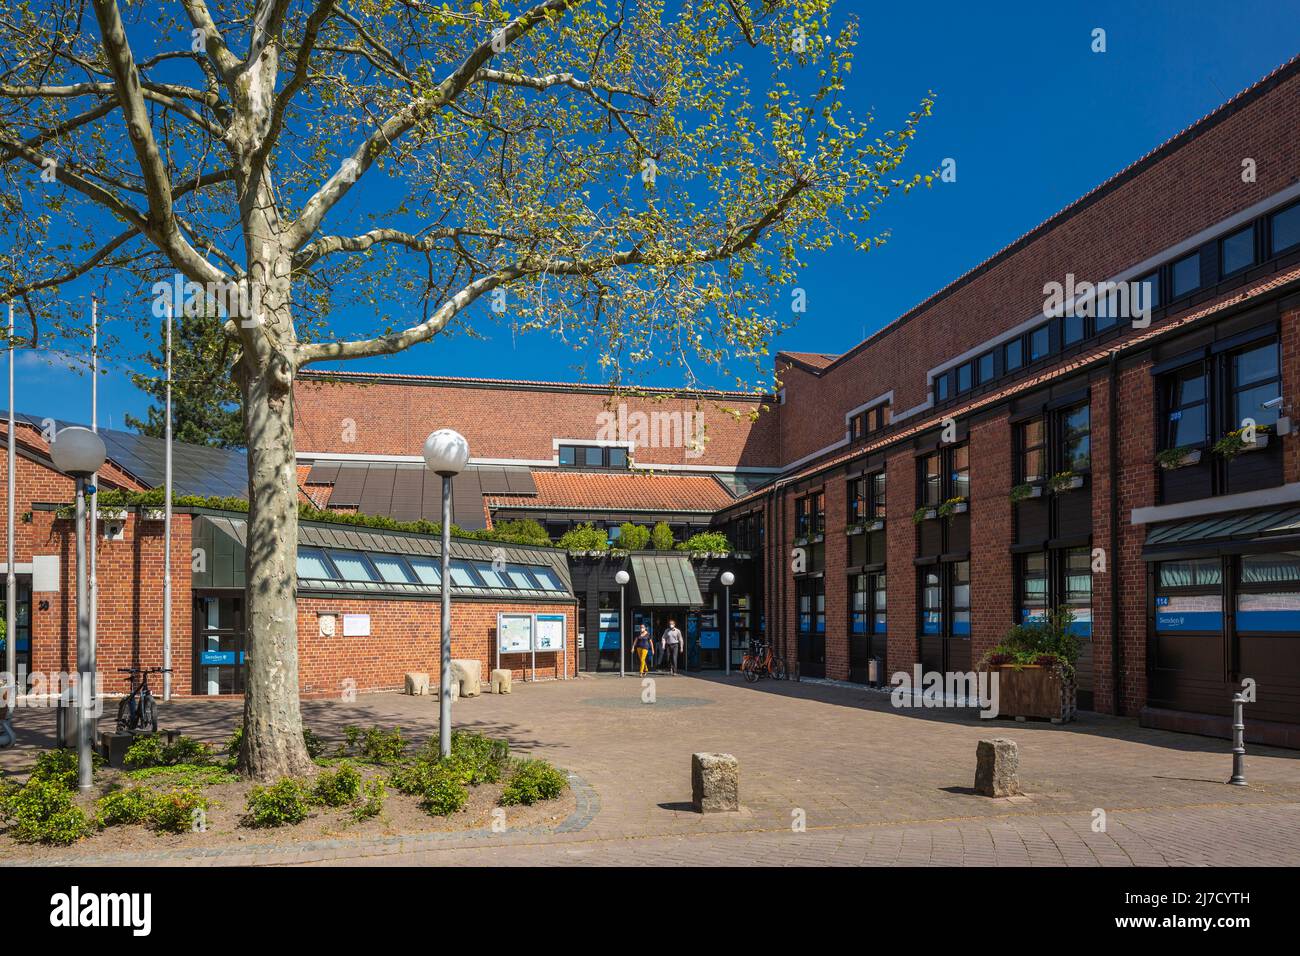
(997, 767)
(417, 683)
(500, 681)
(715, 783)
(469, 674)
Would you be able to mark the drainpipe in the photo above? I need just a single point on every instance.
(1115, 669)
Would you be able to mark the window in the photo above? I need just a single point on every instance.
(1256, 380)
(462, 574)
(964, 377)
(960, 486)
(1076, 440)
(876, 501)
(866, 497)
(945, 608)
(931, 601)
(490, 575)
(1268, 598)
(1033, 450)
(1237, 251)
(1056, 578)
(312, 564)
(1040, 343)
(932, 480)
(353, 566)
(1186, 275)
(1186, 397)
(1033, 587)
(869, 422)
(1150, 285)
(944, 474)
(985, 367)
(1189, 596)
(593, 456)
(1074, 328)
(546, 578)
(959, 598)
(942, 388)
(426, 569)
(1013, 354)
(810, 515)
(812, 605)
(1076, 592)
(1284, 228)
(867, 608)
(392, 568)
(857, 502)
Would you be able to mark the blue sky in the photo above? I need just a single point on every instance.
(1032, 117)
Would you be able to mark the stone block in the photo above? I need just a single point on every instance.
(469, 674)
(417, 683)
(501, 681)
(997, 767)
(715, 783)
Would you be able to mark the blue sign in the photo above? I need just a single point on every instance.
(219, 658)
(1190, 621)
(710, 639)
(609, 640)
(1288, 621)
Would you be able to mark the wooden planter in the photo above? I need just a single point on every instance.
(1035, 691)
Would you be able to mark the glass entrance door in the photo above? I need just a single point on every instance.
(219, 643)
(22, 637)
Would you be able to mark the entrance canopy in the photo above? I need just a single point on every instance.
(666, 581)
(1250, 531)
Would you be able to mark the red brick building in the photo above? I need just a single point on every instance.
(1098, 416)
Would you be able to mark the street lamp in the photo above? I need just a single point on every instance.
(79, 452)
(727, 579)
(445, 453)
(622, 578)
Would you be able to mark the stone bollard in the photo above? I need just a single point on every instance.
(469, 674)
(417, 684)
(997, 765)
(500, 681)
(715, 783)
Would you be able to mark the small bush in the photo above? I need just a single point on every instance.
(584, 537)
(152, 752)
(315, 746)
(235, 742)
(60, 767)
(633, 537)
(284, 802)
(186, 775)
(707, 542)
(444, 793)
(480, 758)
(661, 538)
(176, 811)
(532, 781)
(123, 807)
(371, 803)
(338, 788)
(43, 812)
(375, 745)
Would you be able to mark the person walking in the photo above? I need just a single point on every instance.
(672, 642)
(644, 646)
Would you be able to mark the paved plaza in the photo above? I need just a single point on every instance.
(829, 775)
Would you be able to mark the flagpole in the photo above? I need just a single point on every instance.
(167, 524)
(94, 479)
(11, 578)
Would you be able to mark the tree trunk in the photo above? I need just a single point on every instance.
(272, 746)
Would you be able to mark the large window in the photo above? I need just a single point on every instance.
(1255, 381)
(1187, 407)
(592, 456)
(867, 604)
(1237, 251)
(1076, 439)
(1268, 594)
(1060, 440)
(1189, 596)
(945, 599)
(944, 473)
(812, 605)
(1061, 577)
(866, 498)
(810, 515)
(1033, 450)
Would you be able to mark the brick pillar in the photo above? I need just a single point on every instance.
(1102, 635)
(900, 548)
(1137, 490)
(1291, 393)
(837, 608)
(992, 590)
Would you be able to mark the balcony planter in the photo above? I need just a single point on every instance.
(1025, 492)
(855, 529)
(1065, 481)
(153, 514)
(112, 514)
(1234, 443)
(800, 542)
(1171, 459)
(953, 506)
(875, 524)
(924, 514)
(1034, 690)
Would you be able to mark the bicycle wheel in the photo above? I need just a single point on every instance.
(749, 669)
(778, 669)
(149, 713)
(124, 715)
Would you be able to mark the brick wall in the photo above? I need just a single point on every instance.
(992, 587)
(900, 572)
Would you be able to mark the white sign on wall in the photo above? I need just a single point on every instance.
(550, 632)
(514, 633)
(356, 625)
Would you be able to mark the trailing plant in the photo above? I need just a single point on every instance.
(1022, 492)
(661, 537)
(1171, 458)
(949, 507)
(921, 514)
(1234, 443)
(42, 811)
(286, 801)
(1061, 481)
(584, 537)
(633, 537)
(1046, 643)
(532, 781)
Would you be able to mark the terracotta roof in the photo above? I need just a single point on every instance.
(813, 361)
(1081, 361)
(587, 491)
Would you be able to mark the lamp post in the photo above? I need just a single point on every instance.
(79, 452)
(445, 453)
(728, 579)
(622, 578)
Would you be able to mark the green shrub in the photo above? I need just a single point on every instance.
(122, 807)
(315, 746)
(60, 767)
(186, 775)
(1046, 643)
(152, 752)
(285, 802)
(444, 792)
(481, 759)
(176, 811)
(235, 742)
(521, 531)
(371, 802)
(584, 537)
(708, 542)
(531, 781)
(43, 812)
(338, 788)
(633, 537)
(661, 538)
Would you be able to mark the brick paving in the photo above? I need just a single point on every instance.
(874, 785)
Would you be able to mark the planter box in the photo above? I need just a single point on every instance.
(112, 514)
(1035, 491)
(1260, 442)
(874, 525)
(1035, 691)
(153, 514)
(1074, 484)
(960, 509)
(1193, 457)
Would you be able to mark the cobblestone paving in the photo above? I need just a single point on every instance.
(875, 785)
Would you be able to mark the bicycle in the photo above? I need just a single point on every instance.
(138, 709)
(760, 662)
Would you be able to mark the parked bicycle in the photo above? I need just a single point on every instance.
(759, 661)
(138, 709)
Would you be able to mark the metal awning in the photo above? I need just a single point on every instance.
(1219, 530)
(666, 581)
